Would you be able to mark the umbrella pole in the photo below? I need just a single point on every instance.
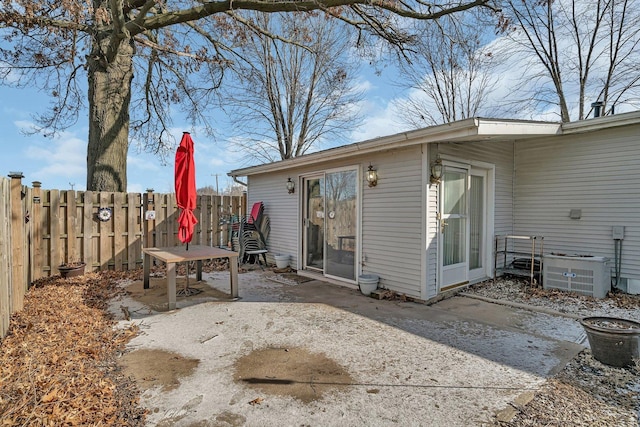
(186, 286)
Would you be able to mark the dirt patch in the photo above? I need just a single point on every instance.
(152, 368)
(156, 296)
(296, 278)
(288, 278)
(294, 372)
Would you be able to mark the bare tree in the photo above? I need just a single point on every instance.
(53, 45)
(578, 50)
(290, 95)
(449, 74)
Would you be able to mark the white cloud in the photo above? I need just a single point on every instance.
(363, 85)
(380, 120)
(60, 161)
(142, 162)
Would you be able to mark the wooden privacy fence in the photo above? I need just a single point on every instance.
(42, 229)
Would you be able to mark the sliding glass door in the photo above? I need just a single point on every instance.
(330, 223)
(340, 234)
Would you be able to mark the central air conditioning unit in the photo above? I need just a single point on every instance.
(586, 275)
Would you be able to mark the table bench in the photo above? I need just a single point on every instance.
(175, 254)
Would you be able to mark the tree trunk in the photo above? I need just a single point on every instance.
(109, 99)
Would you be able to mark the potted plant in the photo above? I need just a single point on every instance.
(71, 269)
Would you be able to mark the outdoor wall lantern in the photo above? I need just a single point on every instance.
(372, 176)
(291, 186)
(436, 171)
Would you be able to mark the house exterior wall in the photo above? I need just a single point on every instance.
(391, 215)
(282, 210)
(398, 235)
(534, 182)
(392, 221)
(597, 172)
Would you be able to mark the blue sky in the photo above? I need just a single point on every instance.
(60, 162)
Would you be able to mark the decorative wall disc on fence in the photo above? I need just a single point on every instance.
(104, 214)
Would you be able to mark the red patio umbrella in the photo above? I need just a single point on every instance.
(185, 174)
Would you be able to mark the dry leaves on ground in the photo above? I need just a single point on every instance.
(57, 365)
(585, 392)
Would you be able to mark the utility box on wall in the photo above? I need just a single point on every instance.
(586, 275)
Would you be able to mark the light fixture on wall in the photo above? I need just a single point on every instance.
(436, 171)
(372, 176)
(291, 186)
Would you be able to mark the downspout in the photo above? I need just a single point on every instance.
(513, 187)
(237, 181)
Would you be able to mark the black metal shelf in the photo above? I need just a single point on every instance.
(530, 266)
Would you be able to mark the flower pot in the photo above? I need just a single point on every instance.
(368, 283)
(614, 342)
(282, 261)
(72, 270)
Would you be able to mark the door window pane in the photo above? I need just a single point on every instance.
(341, 223)
(453, 252)
(454, 191)
(476, 221)
(314, 223)
(454, 206)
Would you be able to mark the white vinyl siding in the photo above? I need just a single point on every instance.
(282, 209)
(392, 217)
(501, 155)
(596, 172)
(392, 242)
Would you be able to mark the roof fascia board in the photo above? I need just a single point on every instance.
(461, 130)
(515, 128)
(599, 123)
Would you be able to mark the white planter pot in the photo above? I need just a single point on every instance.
(282, 261)
(368, 283)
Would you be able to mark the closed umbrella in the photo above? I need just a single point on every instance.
(185, 180)
(185, 173)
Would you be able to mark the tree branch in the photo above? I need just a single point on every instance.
(211, 8)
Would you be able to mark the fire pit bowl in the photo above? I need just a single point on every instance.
(72, 269)
(614, 342)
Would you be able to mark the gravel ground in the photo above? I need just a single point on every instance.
(585, 392)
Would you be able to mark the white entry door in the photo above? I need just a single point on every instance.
(454, 227)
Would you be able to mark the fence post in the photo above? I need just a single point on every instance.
(147, 201)
(18, 280)
(244, 203)
(5, 256)
(36, 232)
(148, 219)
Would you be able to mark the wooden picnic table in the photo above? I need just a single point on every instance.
(175, 254)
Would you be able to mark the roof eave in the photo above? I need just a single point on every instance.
(463, 130)
(600, 123)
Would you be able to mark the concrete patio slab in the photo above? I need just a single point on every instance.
(455, 363)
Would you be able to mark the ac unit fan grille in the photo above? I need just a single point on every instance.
(576, 275)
